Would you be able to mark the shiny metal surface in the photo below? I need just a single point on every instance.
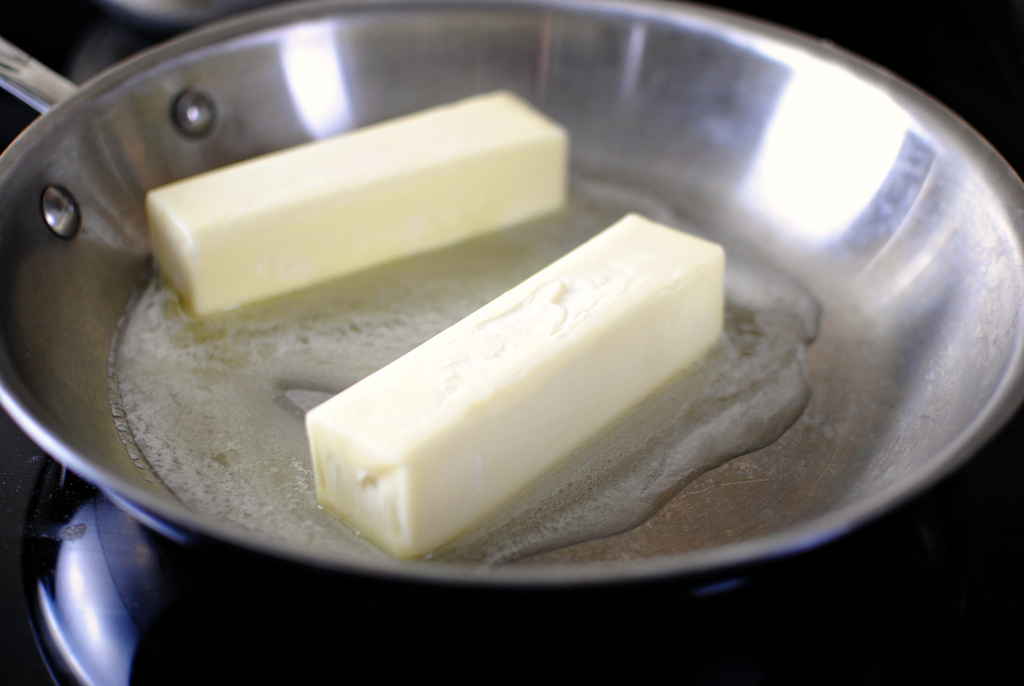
(194, 114)
(903, 223)
(91, 612)
(29, 80)
(60, 212)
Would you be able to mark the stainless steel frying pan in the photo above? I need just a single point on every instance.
(901, 221)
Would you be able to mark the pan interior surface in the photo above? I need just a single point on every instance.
(895, 219)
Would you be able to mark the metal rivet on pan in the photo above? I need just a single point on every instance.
(193, 113)
(60, 212)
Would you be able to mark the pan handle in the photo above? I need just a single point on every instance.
(30, 81)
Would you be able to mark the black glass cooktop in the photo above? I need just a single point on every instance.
(931, 592)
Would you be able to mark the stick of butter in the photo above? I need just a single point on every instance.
(293, 218)
(416, 453)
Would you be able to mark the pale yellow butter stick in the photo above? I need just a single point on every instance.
(416, 453)
(294, 218)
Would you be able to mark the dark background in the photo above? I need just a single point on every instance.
(933, 591)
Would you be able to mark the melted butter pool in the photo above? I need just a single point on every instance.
(215, 407)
